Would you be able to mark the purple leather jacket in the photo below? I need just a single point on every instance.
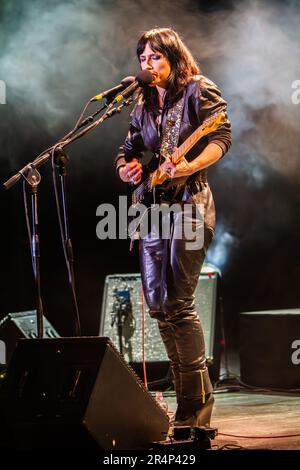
(202, 99)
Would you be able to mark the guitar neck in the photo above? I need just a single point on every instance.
(188, 144)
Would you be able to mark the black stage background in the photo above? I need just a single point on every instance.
(55, 56)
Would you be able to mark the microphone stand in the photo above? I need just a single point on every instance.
(32, 177)
(61, 160)
(90, 118)
(46, 155)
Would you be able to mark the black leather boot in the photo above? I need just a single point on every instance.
(194, 412)
(196, 399)
(170, 345)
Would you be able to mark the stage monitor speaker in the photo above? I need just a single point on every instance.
(22, 325)
(77, 393)
(270, 348)
(121, 318)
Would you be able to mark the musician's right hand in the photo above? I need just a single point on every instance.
(131, 172)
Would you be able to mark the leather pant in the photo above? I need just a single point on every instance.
(170, 275)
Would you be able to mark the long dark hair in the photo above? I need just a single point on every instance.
(182, 63)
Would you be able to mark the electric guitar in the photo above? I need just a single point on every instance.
(159, 180)
(159, 177)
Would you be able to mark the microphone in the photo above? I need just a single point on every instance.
(113, 91)
(144, 77)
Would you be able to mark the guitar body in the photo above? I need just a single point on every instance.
(153, 194)
(140, 212)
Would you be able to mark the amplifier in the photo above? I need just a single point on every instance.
(270, 348)
(121, 317)
(22, 325)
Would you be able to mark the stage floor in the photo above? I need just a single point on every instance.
(254, 420)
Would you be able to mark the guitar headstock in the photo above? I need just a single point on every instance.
(213, 122)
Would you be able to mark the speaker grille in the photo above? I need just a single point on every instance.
(121, 318)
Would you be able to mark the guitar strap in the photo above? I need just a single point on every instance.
(170, 135)
(169, 141)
